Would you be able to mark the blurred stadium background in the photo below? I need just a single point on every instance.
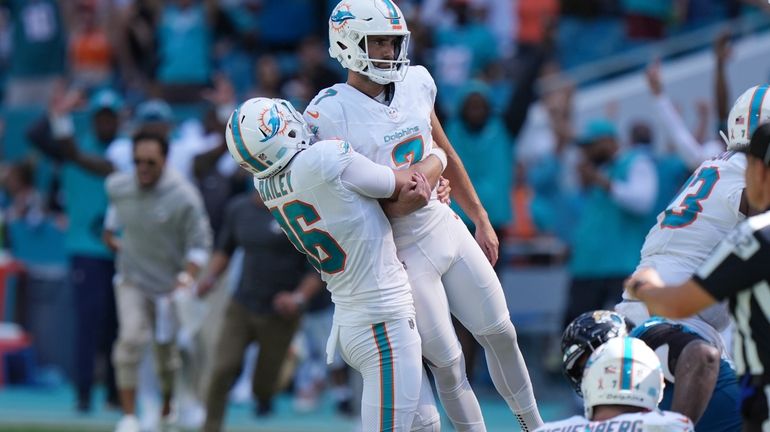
(196, 55)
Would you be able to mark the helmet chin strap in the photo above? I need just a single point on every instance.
(724, 138)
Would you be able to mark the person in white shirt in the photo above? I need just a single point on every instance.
(324, 197)
(622, 386)
(386, 111)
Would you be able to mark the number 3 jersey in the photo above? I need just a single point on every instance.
(344, 235)
(705, 210)
(395, 135)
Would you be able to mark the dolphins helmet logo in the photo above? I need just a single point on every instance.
(340, 17)
(271, 123)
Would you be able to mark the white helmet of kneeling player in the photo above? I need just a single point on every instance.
(623, 371)
(264, 134)
(353, 22)
(751, 109)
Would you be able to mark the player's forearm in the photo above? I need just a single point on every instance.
(217, 265)
(97, 165)
(720, 92)
(432, 167)
(696, 373)
(671, 302)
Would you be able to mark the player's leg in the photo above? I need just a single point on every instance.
(274, 335)
(134, 333)
(440, 346)
(234, 337)
(388, 356)
(427, 418)
(477, 300)
(723, 413)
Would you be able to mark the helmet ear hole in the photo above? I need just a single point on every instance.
(342, 46)
(292, 133)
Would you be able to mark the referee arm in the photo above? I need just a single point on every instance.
(738, 263)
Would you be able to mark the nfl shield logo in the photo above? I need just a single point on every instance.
(392, 113)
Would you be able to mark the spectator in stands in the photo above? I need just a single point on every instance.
(38, 51)
(91, 51)
(185, 40)
(672, 171)
(647, 19)
(268, 80)
(138, 46)
(152, 115)
(620, 187)
(462, 50)
(25, 203)
(92, 267)
(165, 241)
(266, 308)
(313, 74)
(535, 19)
(216, 173)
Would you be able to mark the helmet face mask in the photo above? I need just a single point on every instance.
(264, 134)
(623, 371)
(584, 335)
(351, 25)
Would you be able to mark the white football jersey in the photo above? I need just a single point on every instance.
(345, 235)
(654, 421)
(704, 211)
(395, 135)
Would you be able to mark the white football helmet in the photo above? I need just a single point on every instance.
(623, 371)
(264, 134)
(350, 25)
(750, 110)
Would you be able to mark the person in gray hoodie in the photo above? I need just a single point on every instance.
(166, 239)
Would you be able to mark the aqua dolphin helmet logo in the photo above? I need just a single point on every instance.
(272, 126)
(340, 16)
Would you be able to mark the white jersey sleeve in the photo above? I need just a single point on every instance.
(654, 421)
(368, 178)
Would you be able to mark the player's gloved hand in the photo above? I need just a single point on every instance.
(487, 239)
(443, 190)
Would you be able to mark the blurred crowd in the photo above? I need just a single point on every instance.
(80, 76)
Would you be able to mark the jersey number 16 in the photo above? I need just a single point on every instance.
(311, 242)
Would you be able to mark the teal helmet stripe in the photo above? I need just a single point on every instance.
(241, 146)
(755, 109)
(394, 17)
(626, 373)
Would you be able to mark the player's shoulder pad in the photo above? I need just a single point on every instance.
(325, 99)
(423, 78)
(328, 158)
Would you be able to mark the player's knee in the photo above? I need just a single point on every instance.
(449, 374)
(701, 355)
(502, 330)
